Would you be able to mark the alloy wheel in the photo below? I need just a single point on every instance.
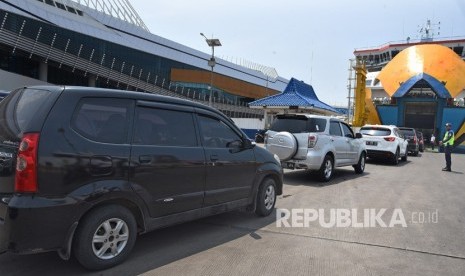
(110, 239)
(270, 196)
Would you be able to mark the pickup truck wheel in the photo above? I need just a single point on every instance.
(360, 167)
(326, 170)
(105, 237)
(266, 197)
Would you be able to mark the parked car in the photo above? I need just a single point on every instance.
(260, 136)
(316, 143)
(385, 142)
(97, 167)
(421, 141)
(411, 134)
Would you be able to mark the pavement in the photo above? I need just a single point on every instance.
(432, 204)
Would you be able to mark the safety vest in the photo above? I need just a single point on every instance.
(449, 142)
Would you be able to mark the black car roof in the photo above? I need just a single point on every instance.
(147, 96)
(123, 94)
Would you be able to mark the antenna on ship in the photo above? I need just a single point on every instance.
(428, 31)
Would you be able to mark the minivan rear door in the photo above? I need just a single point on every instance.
(168, 161)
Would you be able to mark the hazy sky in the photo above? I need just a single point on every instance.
(309, 40)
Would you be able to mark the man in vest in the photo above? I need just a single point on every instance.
(448, 142)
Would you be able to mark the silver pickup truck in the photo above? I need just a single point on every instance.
(318, 143)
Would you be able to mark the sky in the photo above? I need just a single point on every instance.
(309, 40)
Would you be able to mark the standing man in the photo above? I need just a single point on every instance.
(432, 140)
(448, 142)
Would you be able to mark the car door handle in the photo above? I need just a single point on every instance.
(144, 159)
(214, 157)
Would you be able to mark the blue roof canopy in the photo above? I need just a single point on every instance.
(438, 87)
(297, 93)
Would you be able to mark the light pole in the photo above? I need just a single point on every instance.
(212, 42)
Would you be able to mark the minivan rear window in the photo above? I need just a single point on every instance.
(23, 107)
(375, 131)
(298, 124)
(29, 105)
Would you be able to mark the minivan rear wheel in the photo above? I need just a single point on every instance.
(326, 170)
(266, 197)
(105, 237)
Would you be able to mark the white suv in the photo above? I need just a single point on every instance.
(317, 143)
(385, 142)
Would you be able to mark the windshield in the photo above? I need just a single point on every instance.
(375, 131)
(298, 124)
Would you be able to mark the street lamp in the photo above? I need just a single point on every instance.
(213, 42)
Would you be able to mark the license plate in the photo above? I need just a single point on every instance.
(371, 143)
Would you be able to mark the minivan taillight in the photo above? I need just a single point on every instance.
(390, 139)
(312, 139)
(415, 139)
(26, 164)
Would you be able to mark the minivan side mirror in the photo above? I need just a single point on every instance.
(247, 144)
(236, 144)
(358, 135)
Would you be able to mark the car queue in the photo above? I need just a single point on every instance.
(323, 143)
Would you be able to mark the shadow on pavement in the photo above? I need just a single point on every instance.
(297, 177)
(456, 172)
(387, 162)
(152, 250)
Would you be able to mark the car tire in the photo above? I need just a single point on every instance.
(404, 158)
(360, 167)
(102, 233)
(326, 170)
(395, 157)
(266, 197)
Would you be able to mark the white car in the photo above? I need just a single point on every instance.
(318, 143)
(385, 142)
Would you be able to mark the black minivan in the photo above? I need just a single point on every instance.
(85, 170)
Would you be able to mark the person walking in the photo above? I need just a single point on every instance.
(432, 140)
(448, 142)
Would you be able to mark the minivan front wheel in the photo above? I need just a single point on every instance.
(105, 237)
(266, 197)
